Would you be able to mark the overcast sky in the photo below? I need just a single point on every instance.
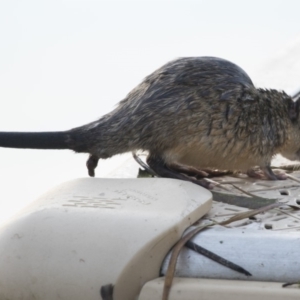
(66, 63)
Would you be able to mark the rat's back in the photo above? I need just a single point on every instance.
(177, 99)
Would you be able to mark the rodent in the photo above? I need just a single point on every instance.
(193, 112)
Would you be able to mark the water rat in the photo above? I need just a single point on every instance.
(190, 114)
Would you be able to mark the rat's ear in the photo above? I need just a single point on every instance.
(294, 109)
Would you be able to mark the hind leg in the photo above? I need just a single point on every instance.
(190, 171)
(162, 169)
(91, 164)
(199, 173)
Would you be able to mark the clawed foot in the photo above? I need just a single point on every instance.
(266, 173)
(189, 171)
(281, 176)
(203, 173)
(198, 176)
(179, 172)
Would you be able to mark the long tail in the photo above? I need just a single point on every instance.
(36, 140)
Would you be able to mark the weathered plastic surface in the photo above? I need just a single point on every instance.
(267, 245)
(209, 289)
(91, 232)
(267, 255)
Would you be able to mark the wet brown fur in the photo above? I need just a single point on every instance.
(199, 112)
